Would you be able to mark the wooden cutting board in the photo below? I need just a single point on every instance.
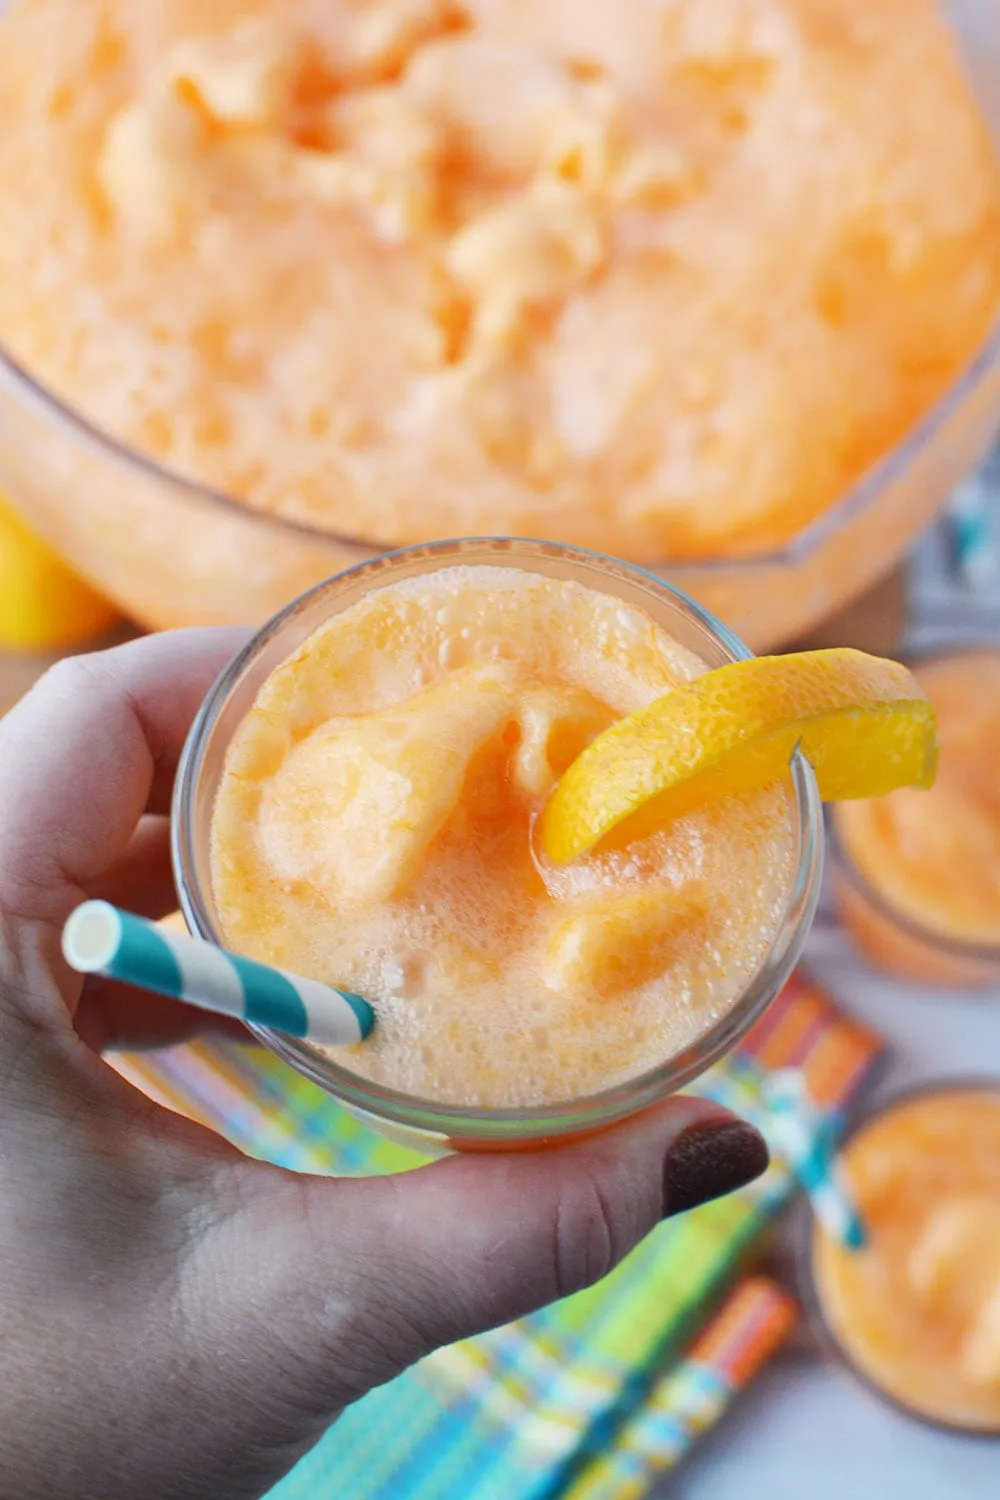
(875, 622)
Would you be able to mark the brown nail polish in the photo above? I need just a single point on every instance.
(710, 1159)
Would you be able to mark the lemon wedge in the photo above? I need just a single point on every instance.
(862, 722)
(43, 605)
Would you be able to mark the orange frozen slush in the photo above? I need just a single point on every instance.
(662, 279)
(918, 1310)
(933, 857)
(374, 827)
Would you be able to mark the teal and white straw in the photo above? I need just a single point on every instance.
(100, 939)
(972, 513)
(793, 1126)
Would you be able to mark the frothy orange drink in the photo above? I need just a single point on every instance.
(928, 900)
(375, 826)
(664, 279)
(918, 1310)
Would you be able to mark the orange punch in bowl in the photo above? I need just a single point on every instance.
(282, 286)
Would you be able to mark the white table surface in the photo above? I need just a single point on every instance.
(805, 1430)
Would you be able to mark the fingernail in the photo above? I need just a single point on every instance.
(710, 1159)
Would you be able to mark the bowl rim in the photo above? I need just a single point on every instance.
(882, 473)
(509, 1125)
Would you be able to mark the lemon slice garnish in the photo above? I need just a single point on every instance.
(862, 723)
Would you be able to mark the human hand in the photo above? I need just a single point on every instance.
(178, 1322)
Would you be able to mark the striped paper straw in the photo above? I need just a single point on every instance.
(971, 517)
(100, 939)
(803, 1138)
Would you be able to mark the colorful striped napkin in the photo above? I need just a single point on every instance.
(691, 1396)
(596, 1395)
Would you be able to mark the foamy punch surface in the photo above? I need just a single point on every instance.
(918, 1310)
(661, 278)
(373, 828)
(935, 855)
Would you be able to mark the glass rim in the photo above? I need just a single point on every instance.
(847, 866)
(562, 1117)
(804, 1240)
(854, 501)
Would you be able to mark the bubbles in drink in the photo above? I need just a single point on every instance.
(498, 980)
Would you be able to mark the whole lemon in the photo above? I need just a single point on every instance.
(43, 605)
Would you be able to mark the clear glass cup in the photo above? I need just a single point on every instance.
(173, 552)
(427, 1124)
(890, 940)
(894, 943)
(804, 1242)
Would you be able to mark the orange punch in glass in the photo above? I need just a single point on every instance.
(918, 876)
(917, 1311)
(496, 788)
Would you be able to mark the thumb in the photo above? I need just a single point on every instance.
(380, 1271)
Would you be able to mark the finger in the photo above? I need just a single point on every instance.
(113, 1016)
(80, 754)
(438, 1254)
(141, 880)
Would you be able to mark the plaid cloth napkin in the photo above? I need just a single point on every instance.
(595, 1395)
(690, 1396)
